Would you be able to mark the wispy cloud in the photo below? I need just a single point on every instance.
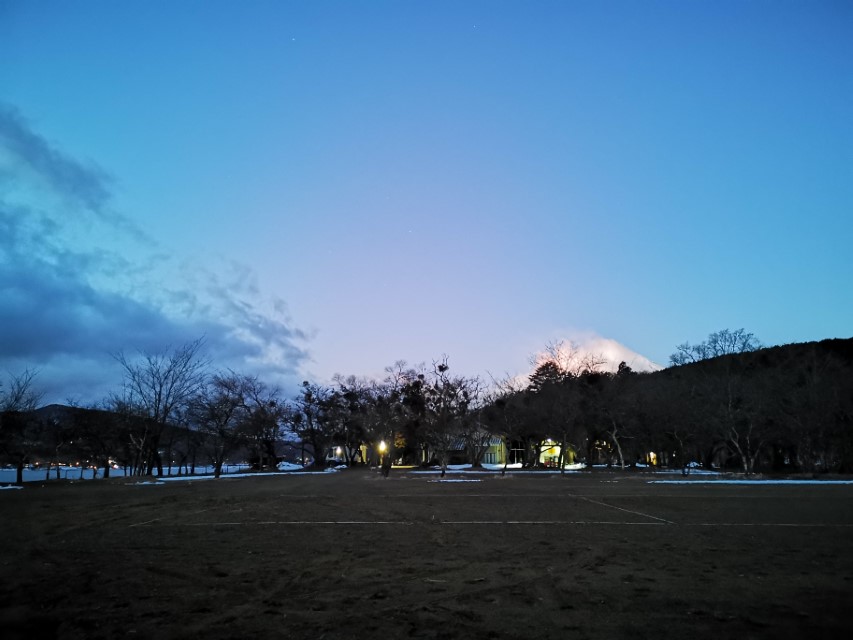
(61, 174)
(70, 299)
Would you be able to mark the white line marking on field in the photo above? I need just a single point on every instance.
(767, 524)
(659, 522)
(141, 524)
(295, 522)
(410, 523)
(373, 522)
(636, 513)
(551, 522)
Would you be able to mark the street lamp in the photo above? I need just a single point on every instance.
(383, 463)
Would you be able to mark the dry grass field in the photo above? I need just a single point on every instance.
(355, 555)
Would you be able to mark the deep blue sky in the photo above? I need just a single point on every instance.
(326, 187)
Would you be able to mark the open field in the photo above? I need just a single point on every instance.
(351, 554)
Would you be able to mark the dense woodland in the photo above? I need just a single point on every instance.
(725, 403)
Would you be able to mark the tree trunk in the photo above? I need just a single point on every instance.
(744, 463)
(615, 440)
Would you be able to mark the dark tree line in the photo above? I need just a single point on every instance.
(782, 408)
(725, 402)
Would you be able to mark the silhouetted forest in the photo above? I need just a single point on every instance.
(778, 409)
(786, 408)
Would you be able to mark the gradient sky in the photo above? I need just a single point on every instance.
(324, 187)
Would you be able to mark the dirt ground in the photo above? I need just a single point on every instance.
(355, 555)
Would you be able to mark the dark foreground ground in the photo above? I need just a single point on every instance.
(353, 555)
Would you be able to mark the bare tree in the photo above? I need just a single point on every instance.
(506, 413)
(21, 394)
(19, 429)
(94, 433)
(401, 407)
(386, 418)
(737, 399)
(265, 415)
(719, 343)
(620, 407)
(156, 387)
(568, 358)
(217, 411)
(445, 409)
(311, 420)
(474, 435)
(742, 411)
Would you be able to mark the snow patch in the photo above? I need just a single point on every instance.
(753, 482)
(499, 467)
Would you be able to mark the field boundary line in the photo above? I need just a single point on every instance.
(297, 522)
(553, 522)
(793, 525)
(142, 524)
(267, 523)
(636, 513)
(657, 522)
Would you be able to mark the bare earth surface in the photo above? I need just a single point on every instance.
(354, 555)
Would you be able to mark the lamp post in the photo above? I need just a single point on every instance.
(384, 464)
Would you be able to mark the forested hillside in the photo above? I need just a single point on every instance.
(785, 408)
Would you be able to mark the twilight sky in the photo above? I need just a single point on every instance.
(322, 187)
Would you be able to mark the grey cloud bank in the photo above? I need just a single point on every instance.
(73, 290)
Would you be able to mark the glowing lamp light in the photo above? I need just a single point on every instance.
(382, 446)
